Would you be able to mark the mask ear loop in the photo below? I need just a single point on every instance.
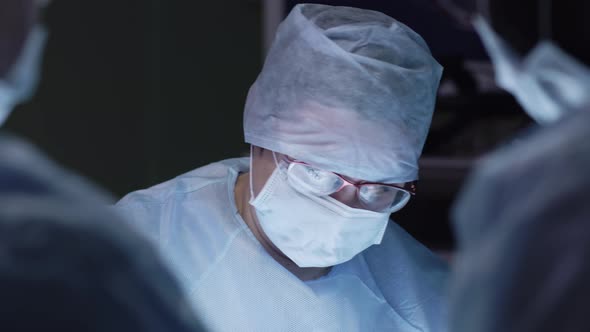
(251, 187)
(274, 156)
(278, 165)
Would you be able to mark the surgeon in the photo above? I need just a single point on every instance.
(298, 236)
(523, 220)
(66, 264)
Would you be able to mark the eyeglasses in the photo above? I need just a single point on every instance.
(372, 195)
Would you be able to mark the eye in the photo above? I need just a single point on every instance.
(371, 193)
(379, 197)
(313, 180)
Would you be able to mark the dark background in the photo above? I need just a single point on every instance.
(135, 92)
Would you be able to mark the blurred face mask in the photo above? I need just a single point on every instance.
(313, 231)
(547, 82)
(21, 80)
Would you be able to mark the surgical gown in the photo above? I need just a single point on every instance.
(236, 286)
(523, 226)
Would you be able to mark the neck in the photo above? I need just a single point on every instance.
(242, 198)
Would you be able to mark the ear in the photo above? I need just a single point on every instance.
(257, 151)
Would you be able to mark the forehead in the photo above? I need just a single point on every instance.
(343, 125)
(334, 137)
(345, 135)
(329, 115)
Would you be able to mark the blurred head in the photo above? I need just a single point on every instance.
(21, 46)
(66, 266)
(348, 90)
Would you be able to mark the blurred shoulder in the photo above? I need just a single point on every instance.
(537, 176)
(558, 147)
(25, 170)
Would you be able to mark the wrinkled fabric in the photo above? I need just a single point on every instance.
(67, 264)
(347, 90)
(522, 225)
(237, 286)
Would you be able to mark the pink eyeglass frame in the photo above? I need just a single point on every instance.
(409, 187)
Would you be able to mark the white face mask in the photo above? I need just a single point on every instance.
(21, 80)
(314, 231)
(547, 83)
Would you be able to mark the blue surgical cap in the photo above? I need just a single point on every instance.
(345, 89)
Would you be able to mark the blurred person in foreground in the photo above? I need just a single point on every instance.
(523, 219)
(66, 264)
(298, 236)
